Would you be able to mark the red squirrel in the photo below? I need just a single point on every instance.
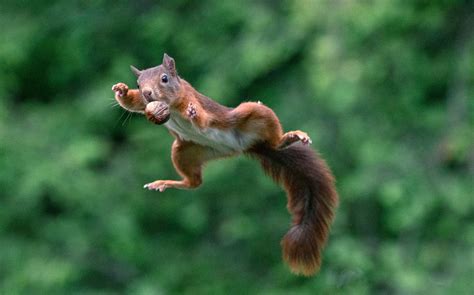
(205, 130)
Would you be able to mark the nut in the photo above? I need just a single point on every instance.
(157, 112)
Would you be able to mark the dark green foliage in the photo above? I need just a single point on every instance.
(384, 88)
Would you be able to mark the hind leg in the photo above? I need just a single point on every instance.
(188, 160)
(260, 119)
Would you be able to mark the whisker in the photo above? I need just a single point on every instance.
(124, 112)
(130, 118)
(126, 118)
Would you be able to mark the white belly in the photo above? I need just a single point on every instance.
(227, 141)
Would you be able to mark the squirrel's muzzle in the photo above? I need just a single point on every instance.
(147, 94)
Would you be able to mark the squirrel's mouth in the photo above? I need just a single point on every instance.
(156, 97)
(150, 96)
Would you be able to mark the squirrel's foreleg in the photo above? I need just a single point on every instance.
(130, 99)
(195, 113)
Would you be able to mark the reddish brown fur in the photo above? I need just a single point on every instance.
(129, 99)
(189, 96)
(312, 199)
(312, 196)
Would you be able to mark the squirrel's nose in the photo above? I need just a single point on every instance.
(147, 93)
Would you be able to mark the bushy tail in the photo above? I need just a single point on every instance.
(312, 198)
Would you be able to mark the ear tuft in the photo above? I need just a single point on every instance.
(168, 63)
(136, 71)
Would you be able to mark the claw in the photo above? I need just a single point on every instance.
(306, 140)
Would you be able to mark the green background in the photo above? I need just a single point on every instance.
(384, 88)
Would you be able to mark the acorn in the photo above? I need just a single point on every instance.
(157, 112)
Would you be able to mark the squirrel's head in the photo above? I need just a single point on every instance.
(160, 83)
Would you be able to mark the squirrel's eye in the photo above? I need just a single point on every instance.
(164, 78)
(138, 85)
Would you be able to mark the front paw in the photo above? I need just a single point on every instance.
(191, 111)
(120, 89)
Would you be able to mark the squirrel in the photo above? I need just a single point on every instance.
(205, 130)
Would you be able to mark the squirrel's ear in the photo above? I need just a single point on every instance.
(136, 71)
(169, 64)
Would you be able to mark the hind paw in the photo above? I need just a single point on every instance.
(159, 185)
(294, 136)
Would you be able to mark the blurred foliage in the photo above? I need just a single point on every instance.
(385, 89)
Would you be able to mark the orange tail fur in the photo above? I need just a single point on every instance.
(312, 199)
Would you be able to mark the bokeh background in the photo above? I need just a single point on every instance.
(384, 88)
